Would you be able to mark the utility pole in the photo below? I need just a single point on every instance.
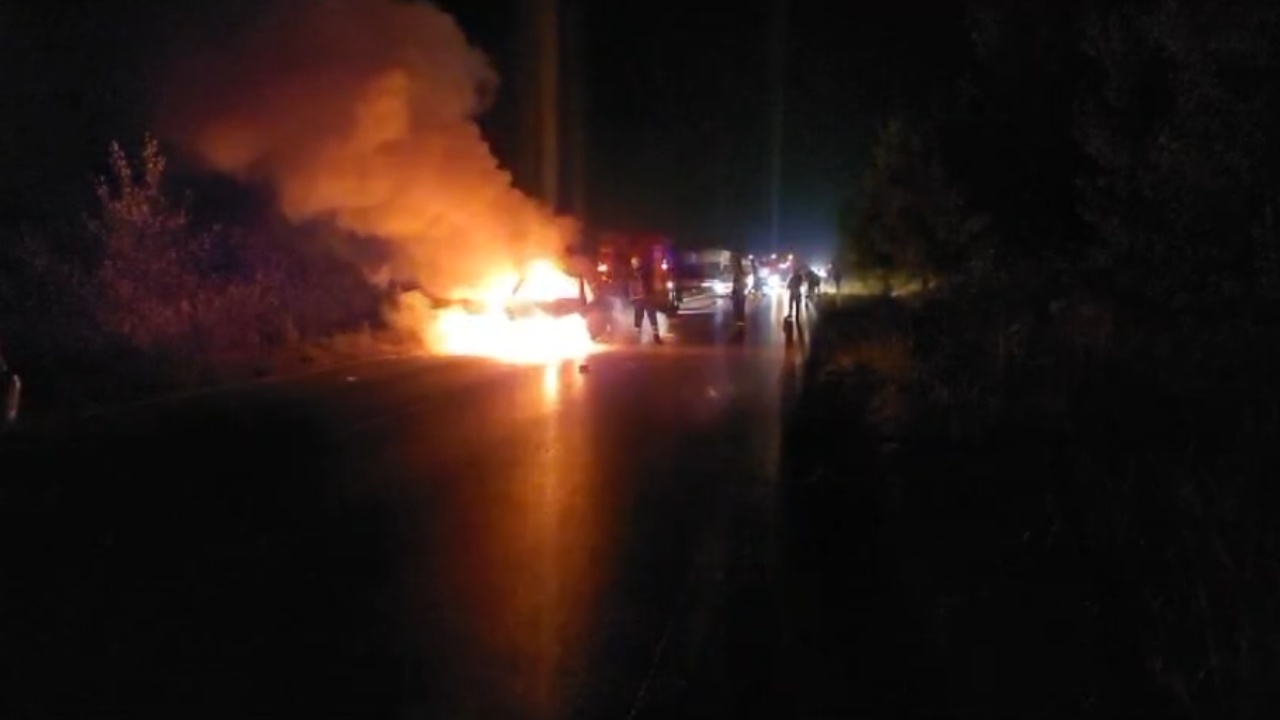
(778, 66)
(547, 30)
(576, 60)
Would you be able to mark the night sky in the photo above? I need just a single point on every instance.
(677, 105)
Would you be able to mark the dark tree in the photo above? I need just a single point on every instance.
(1178, 123)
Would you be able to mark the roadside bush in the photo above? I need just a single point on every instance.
(139, 296)
(1070, 467)
(156, 284)
(1092, 410)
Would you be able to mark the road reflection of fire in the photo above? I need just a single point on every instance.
(535, 554)
(557, 543)
(505, 323)
(551, 384)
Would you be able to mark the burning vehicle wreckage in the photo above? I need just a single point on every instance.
(548, 311)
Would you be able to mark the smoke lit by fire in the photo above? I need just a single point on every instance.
(363, 111)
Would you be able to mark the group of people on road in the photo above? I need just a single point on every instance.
(646, 299)
(802, 278)
(639, 286)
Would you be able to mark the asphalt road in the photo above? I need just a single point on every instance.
(406, 538)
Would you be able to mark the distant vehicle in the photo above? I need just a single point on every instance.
(716, 269)
(774, 270)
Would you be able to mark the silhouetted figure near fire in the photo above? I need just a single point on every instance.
(795, 294)
(739, 293)
(643, 298)
(10, 390)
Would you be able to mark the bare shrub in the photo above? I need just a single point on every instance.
(156, 287)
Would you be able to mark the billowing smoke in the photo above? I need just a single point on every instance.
(364, 111)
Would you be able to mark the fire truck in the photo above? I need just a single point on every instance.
(616, 251)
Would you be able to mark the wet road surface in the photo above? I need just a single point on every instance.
(407, 538)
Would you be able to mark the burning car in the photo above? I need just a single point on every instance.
(542, 313)
(543, 291)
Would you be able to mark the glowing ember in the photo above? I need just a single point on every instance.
(511, 323)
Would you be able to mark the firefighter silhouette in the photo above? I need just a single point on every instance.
(644, 297)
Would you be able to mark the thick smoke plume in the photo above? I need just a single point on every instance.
(364, 111)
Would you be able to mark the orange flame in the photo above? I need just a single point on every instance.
(508, 322)
(364, 113)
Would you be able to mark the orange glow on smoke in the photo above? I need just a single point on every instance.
(363, 113)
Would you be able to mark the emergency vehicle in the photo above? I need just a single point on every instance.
(615, 253)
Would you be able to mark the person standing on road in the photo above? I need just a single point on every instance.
(10, 390)
(795, 294)
(835, 277)
(642, 298)
(739, 293)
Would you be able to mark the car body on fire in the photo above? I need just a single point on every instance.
(589, 301)
(518, 307)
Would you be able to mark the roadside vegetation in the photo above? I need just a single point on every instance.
(1069, 441)
(140, 297)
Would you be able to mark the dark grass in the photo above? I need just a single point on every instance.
(1014, 518)
(196, 584)
(62, 382)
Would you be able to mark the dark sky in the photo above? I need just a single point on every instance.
(677, 95)
(678, 118)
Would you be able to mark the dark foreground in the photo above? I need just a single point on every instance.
(409, 538)
(993, 512)
(876, 517)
